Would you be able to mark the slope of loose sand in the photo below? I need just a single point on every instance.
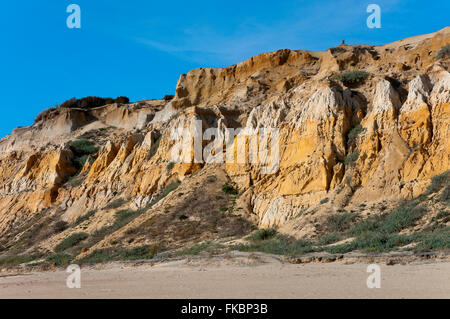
(250, 276)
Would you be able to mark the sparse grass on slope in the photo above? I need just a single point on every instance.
(378, 233)
(207, 246)
(71, 241)
(125, 216)
(116, 203)
(83, 218)
(438, 181)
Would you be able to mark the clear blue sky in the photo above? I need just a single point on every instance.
(139, 48)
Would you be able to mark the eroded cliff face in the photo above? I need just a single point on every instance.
(380, 139)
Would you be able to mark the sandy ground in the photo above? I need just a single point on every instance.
(236, 277)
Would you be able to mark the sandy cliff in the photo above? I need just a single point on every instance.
(380, 138)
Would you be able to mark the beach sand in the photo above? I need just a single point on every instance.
(250, 276)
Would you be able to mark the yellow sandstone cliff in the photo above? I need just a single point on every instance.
(378, 139)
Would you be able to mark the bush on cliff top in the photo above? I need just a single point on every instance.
(90, 102)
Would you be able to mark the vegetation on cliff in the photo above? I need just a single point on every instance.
(90, 102)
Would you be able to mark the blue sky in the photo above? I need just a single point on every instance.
(139, 48)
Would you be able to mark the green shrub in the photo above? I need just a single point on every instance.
(70, 103)
(60, 226)
(279, 244)
(90, 102)
(394, 222)
(88, 135)
(83, 147)
(378, 242)
(170, 166)
(348, 181)
(182, 217)
(445, 214)
(15, 260)
(229, 189)
(325, 200)
(330, 238)
(60, 259)
(438, 239)
(381, 232)
(98, 256)
(110, 254)
(350, 160)
(354, 133)
(351, 77)
(367, 225)
(372, 242)
(122, 100)
(401, 218)
(340, 222)
(263, 234)
(340, 249)
(444, 52)
(70, 241)
(141, 252)
(80, 161)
